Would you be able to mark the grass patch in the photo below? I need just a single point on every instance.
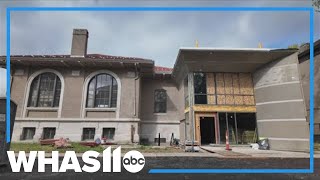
(27, 147)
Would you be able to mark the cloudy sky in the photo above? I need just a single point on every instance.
(154, 35)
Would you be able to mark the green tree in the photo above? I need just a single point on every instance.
(293, 46)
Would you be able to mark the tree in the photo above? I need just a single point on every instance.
(316, 5)
(293, 46)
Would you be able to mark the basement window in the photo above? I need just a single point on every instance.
(108, 133)
(28, 133)
(88, 134)
(48, 133)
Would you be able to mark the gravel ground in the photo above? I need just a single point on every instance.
(183, 162)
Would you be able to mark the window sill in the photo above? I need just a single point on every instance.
(42, 108)
(101, 109)
(160, 114)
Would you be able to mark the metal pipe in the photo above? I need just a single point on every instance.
(137, 76)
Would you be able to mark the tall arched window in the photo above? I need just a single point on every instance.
(102, 91)
(45, 91)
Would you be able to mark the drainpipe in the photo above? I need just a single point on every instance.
(137, 76)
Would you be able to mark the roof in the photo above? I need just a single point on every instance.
(211, 59)
(145, 66)
(92, 56)
(89, 60)
(304, 50)
(223, 49)
(162, 70)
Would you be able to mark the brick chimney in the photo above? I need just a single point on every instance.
(79, 43)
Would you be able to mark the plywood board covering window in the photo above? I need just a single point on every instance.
(211, 89)
(225, 88)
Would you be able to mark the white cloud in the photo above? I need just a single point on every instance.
(153, 35)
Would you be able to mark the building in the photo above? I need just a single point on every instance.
(248, 93)
(304, 66)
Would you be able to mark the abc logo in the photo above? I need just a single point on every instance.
(133, 161)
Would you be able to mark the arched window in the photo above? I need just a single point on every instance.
(102, 91)
(45, 91)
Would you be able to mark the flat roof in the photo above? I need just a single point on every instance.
(212, 59)
(223, 49)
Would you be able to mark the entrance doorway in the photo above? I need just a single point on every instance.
(207, 130)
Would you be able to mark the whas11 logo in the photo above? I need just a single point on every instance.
(133, 161)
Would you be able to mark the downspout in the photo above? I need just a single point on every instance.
(137, 76)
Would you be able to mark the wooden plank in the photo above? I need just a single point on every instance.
(246, 85)
(221, 99)
(248, 100)
(220, 83)
(210, 88)
(228, 83)
(210, 83)
(238, 100)
(197, 128)
(211, 99)
(235, 83)
(223, 108)
(229, 100)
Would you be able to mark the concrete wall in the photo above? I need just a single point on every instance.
(304, 67)
(73, 129)
(281, 115)
(163, 123)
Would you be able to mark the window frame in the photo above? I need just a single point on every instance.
(48, 128)
(108, 128)
(54, 103)
(83, 133)
(110, 96)
(155, 101)
(24, 133)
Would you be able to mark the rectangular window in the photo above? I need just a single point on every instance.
(88, 134)
(28, 133)
(108, 133)
(48, 133)
(242, 127)
(200, 88)
(160, 101)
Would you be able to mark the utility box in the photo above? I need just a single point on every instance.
(4, 146)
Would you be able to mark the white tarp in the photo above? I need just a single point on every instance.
(3, 83)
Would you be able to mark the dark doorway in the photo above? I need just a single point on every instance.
(207, 130)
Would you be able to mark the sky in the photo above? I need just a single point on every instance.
(153, 35)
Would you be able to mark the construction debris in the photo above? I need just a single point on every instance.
(48, 141)
(192, 147)
(62, 143)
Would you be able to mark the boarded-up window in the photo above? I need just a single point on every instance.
(224, 88)
(211, 88)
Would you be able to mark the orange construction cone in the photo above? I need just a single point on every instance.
(227, 141)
